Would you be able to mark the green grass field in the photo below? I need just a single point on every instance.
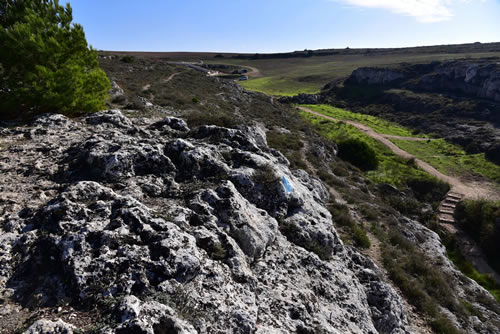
(379, 125)
(450, 159)
(392, 169)
(278, 86)
(289, 76)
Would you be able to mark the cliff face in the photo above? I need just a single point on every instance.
(150, 226)
(479, 79)
(458, 100)
(375, 76)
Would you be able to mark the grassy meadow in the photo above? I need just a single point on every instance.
(378, 124)
(392, 169)
(450, 159)
(290, 76)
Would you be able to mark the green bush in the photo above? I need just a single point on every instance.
(481, 220)
(46, 64)
(466, 267)
(428, 189)
(359, 153)
(128, 59)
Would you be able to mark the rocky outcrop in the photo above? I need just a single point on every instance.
(50, 327)
(474, 78)
(303, 99)
(376, 76)
(162, 228)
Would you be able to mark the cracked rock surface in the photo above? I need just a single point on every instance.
(165, 229)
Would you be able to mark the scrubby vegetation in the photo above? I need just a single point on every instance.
(468, 269)
(481, 220)
(342, 219)
(359, 153)
(46, 64)
(424, 286)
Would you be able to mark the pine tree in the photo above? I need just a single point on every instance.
(46, 64)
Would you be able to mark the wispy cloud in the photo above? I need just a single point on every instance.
(425, 11)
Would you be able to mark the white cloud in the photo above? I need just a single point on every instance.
(423, 10)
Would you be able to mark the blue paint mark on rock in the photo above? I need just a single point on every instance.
(287, 185)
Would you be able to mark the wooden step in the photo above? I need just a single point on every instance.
(448, 205)
(451, 200)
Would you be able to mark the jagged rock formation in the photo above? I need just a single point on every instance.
(458, 100)
(303, 99)
(479, 79)
(163, 229)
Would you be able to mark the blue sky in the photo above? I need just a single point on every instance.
(283, 25)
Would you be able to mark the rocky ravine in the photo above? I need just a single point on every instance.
(163, 229)
(475, 78)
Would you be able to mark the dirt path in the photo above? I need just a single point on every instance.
(254, 73)
(406, 138)
(472, 190)
(170, 77)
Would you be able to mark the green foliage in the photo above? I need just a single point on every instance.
(424, 285)
(342, 217)
(284, 141)
(195, 100)
(481, 220)
(377, 124)
(428, 189)
(468, 269)
(442, 325)
(46, 64)
(359, 153)
(450, 159)
(128, 59)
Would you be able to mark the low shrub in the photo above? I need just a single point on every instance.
(442, 325)
(199, 118)
(428, 189)
(468, 269)
(359, 153)
(295, 159)
(284, 141)
(265, 175)
(360, 238)
(481, 220)
(128, 59)
(342, 217)
(369, 212)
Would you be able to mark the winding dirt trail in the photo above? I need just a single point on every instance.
(471, 190)
(406, 138)
(254, 73)
(170, 77)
